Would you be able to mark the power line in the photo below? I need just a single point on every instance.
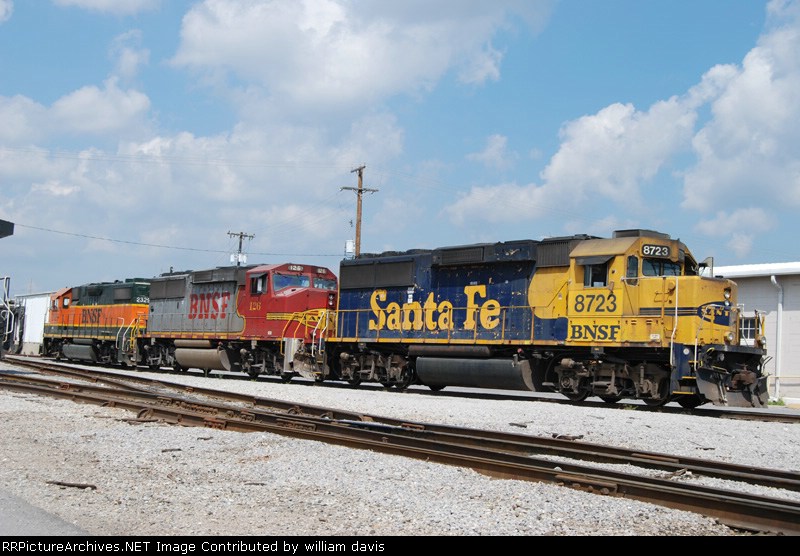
(171, 246)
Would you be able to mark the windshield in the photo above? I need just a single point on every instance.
(324, 283)
(283, 281)
(660, 267)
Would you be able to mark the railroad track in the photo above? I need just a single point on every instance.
(514, 456)
(780, 415)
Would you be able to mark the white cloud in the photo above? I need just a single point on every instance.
(94, 110)
(23, 120)
(618, 150)
(497, 203)
(117, 7)
(483, 66)
(108, 111)
(609, 155)
(129, 56)
(333, 52)
(495, 155)
(55, 188)
(6, 9)
(748, 150)
(739, 226)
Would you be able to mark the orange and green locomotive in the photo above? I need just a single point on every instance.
(99, 322)
(626, 317)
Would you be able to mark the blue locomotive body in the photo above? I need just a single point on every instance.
(432, 297)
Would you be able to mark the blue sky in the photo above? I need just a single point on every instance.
(139, 135)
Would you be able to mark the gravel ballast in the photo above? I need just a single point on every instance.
(156, 479)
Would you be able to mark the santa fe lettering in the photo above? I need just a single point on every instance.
(431, 315)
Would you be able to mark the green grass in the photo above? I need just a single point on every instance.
(779, 401)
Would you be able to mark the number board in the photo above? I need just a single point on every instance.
(650, 250)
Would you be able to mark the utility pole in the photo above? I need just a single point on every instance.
(242, 235)
(359, 193)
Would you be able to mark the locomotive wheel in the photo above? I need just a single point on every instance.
(611, 399)
(658, 402)
(690, 402)
(354, 380)
(577, 396)
(405, 380)
(436, 387)
(286, 378)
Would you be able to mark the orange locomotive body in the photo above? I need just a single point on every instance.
(98, 322)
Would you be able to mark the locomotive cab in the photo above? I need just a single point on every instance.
(642, 323)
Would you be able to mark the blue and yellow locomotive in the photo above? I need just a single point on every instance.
(627, 317)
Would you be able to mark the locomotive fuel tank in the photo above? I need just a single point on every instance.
(496, 373)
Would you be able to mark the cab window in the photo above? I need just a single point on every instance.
(595, 275)
(324, 283)
(283, 281)
(258, 284)
(632, 270)
(660, 267)
(633, 267)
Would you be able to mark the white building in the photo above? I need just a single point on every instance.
(774, 291)
(28, 332)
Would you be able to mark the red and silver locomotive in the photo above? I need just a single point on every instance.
(253, 319)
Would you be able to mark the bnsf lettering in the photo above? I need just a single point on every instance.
(432, 315)
(594, 332)
(91, 316)
(208, 305)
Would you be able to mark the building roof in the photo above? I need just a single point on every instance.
(756, 270)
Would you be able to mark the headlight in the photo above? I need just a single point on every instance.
(729, 336)
(762, 341)
(727, 294)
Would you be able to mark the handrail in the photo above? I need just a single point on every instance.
(117, 342)
(6, 309)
